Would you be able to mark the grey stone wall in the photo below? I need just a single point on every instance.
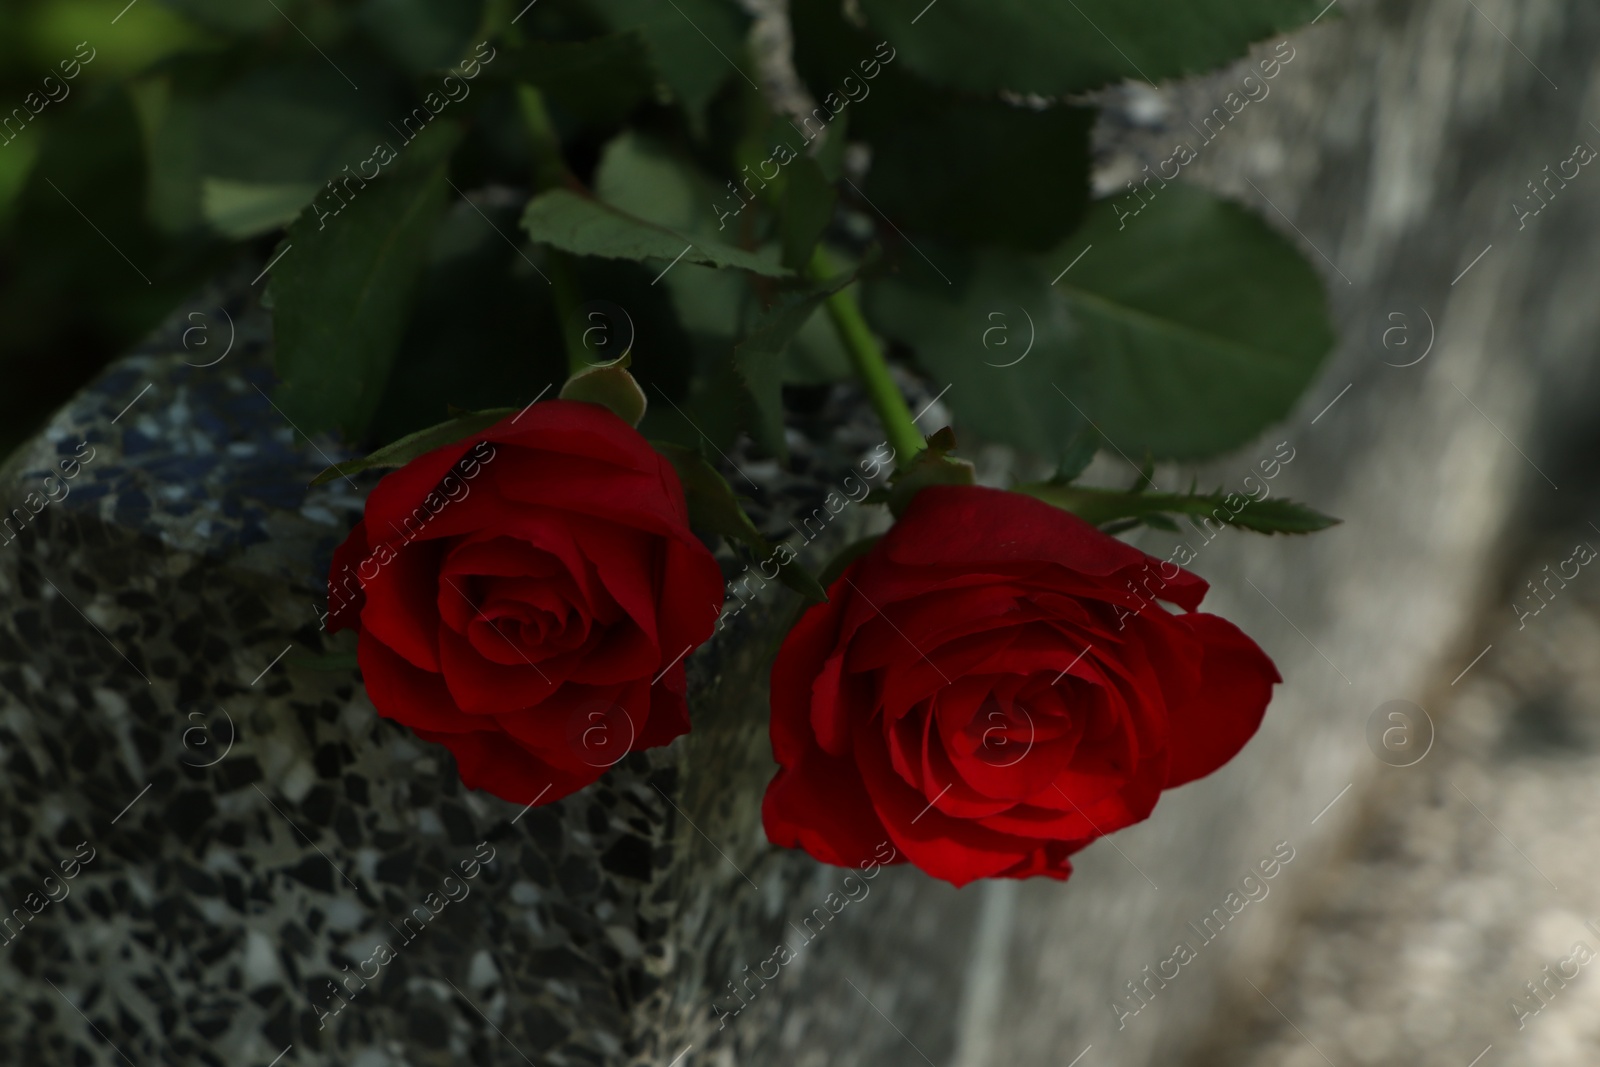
(255, 828)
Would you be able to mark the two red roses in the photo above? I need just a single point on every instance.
(991, 687)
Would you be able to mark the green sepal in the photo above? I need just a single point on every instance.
(612, 387)
(714, 507)
(1076, 456)
(399, 453)
(1116, 509)
(934, 465)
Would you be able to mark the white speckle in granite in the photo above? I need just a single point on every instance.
(482, 973)
(1146, 105)
(260, 960)
(762, 471)
(222, 861)
(320, 514)
(298, 782)
(139, 886)
(148, 426)
(357, 715)
(362, 946)
(275, 757)
(202, 529)
(242, 449)
(626, 942)
(367, 860)
(34, 679)
(108, 701)
(371, 1057)
(51, 815)
(428, 822)
(173, 492)
(343, 913)
(403, 750)
(535, 925)
(524, 893)
(427, 765)
(213, 909)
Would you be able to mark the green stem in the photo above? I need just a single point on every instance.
(550, 172)
(564, 294)
(870, 366)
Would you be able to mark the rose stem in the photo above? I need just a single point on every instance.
(870, 366)
(550, 172)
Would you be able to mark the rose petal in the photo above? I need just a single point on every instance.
(980, 526)
(821, 806)
(1227, 708)
(401, 691)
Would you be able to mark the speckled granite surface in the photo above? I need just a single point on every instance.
(261, 866)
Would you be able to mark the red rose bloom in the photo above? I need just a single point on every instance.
(994, 686)
(526, 596)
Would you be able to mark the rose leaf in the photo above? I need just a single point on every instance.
(342, 283)
(573, 223)
(399, 453)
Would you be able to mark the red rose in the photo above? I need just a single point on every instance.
(526, 596)
(993, 686)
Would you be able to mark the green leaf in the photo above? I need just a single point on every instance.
(1108, 506)
(853, 74)
(294, 124)
(600, 80)
(816, 356)
(805, 211)
(342, 288)
(1077, 454)
(76, 283)
(981, 171)
(830, 156)
(695, 45)
(229, 16)
(423, 35)
(759, 359)
(1055, 49)
(646, 179)
(713, 507)
(572, 223)
(1183, 332)
(240, 210)
(507, 351)
(409, 447)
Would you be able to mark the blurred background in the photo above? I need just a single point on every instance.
(1434, 756)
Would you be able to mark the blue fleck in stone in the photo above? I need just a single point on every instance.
(135, 443)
